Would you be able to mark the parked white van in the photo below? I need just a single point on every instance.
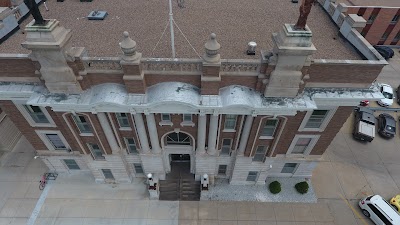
(379, 210)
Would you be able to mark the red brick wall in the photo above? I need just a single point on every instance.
(5, 3)
(232, 135)
(246, 81)
(176, 119)
(92, 79)
(380, 24)
(17, 68)
(121, 134)
(343, 73)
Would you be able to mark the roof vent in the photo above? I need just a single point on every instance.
(251, 48)
(97, 15)
(295, 1)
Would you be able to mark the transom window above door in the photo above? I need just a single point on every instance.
(178, 139)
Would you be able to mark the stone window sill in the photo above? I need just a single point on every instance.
(187, 124)
(166, 123)
(229, 130)
(86, 134)
(125, 128)
(266, 137)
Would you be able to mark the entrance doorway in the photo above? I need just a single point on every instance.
(179, 183)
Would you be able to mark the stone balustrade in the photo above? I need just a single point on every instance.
(240, 65)
(102, 63)
(166, 64)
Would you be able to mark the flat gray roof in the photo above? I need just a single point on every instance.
(236, 22)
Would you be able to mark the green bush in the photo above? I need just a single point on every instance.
(302, 187)
(275, 187)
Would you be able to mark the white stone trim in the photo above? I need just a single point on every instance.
(125, 128)
(28, 117)
(86, 134)
(314, 140)
(42, 136)
(331, 112)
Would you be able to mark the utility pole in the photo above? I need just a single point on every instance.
(171, 24)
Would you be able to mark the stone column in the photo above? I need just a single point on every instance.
(48, 44)
(244, 137)
(105, 125)
(292, 51)
(133, 72)
(141, 132)
(151, 125)
(211, 77)
(201, 134)
(212, 135)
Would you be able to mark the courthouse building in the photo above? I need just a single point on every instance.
(121, 113)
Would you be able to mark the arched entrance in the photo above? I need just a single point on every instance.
(179, 153)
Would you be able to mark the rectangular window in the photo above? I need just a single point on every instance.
(56, 141)
(36, 113)
(123, 120)
(270, 127)
(316, 119)
(107, 174)
(395, 19)
(131, 145)
(71, 164)
(96, 151)
(301, 145)
(385, 36)
(138, 168)
(226, 146)
(252, 176)
(289, 168)
(230, 122)
(260, 153)
(82, 124)
(222, 169)
(187, 117)
(372, 18)
(165, 117)
(397, 37)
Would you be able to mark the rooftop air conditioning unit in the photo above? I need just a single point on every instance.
(251, 48)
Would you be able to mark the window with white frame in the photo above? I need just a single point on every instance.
(226, 146)
(187, 117)
(230, 122)
(222, 169)
(53, 139)
(260, 153)
(97, 153)
(317, 120)
(302, 144)
(270, 127)
(131, 145)
(138, 168)
(36, 114)
(56, 142)
(165, 117)
(252, 176)
(82, 124)
(71, 164)
(123, 120)
(289, 168)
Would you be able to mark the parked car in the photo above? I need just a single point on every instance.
(398, 94)
(364, 124)
(387, 92)
(385, 51)
(379, 210)
(395, 202)
(386, 125)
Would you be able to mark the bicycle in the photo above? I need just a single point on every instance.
(45, 178)
(43, 181)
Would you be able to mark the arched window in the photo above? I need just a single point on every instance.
(178, 139)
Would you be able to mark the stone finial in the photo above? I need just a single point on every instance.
(212, 47)
(128, 47)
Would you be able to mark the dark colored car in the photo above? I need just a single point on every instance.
(385, 51)
(386, 125)
(398, 94)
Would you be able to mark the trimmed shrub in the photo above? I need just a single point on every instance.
(302, 187)
(275, 187)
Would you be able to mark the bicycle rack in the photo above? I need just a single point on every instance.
(51, 176)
